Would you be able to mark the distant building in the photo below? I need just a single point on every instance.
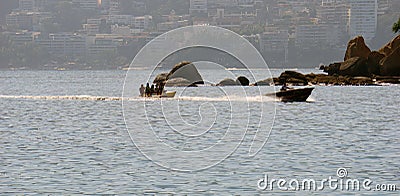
(27, 5)
(313, 35)
(138, 23)
(111, 6)
(332, 12)
(198, 7)
(273, 44)
(142, 23)
(383, 6)
(99, 44)
(20, 20)
(23, 37)
(64, 44)
(363, 18)
(167, 26)
(87, 4)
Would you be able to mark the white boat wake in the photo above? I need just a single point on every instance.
(109, 98)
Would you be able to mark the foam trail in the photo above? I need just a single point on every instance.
(107, 98)
(65, 97)
(229, 99)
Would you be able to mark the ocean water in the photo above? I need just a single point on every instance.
(71, 132)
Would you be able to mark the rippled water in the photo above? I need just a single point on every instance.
(72, 146)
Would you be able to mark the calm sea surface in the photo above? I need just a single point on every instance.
(53, 145)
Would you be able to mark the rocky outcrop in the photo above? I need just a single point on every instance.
(187, 71)
(242, 81)
(293, 78)
(390, 65)
(356, 66)
(160, 78)
(179, 82)
(228, 82)
(357, 48)
(360, 61)
(391, 46)
(183, 74)
(266, 82)
(373, 62)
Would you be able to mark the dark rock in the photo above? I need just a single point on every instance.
(332, 69)
(388, 79)
(390, 65)
(243, 81)
(356, 66)
(391, 46)
(187, 71)
(266, 82)
(357, 48)
(161, 78)
(293, 77)
(228, 82)
(361, 81)
(373, 62)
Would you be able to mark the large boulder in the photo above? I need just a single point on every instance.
(161, 78)
(179, 82)
(243, 81)
(293, 77)
(391, 46)
(390, 65)
(228, 82)
(187, 71)
(356, 66)
(357, 48)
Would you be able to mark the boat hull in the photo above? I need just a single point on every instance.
(167, 94)
(293, 95)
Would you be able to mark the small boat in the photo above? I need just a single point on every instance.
(292, 95)
(165, 94)
(169, 94)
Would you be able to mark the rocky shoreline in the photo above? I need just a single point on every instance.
(361, 66)
(298, 79)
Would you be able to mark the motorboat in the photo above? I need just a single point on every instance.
(292, 95)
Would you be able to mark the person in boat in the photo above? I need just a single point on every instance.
(156, 89)
(284, 87)
(161, 88)
(147, 90)
(152, 90)
(141, 90)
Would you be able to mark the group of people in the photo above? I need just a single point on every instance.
(148, 91)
